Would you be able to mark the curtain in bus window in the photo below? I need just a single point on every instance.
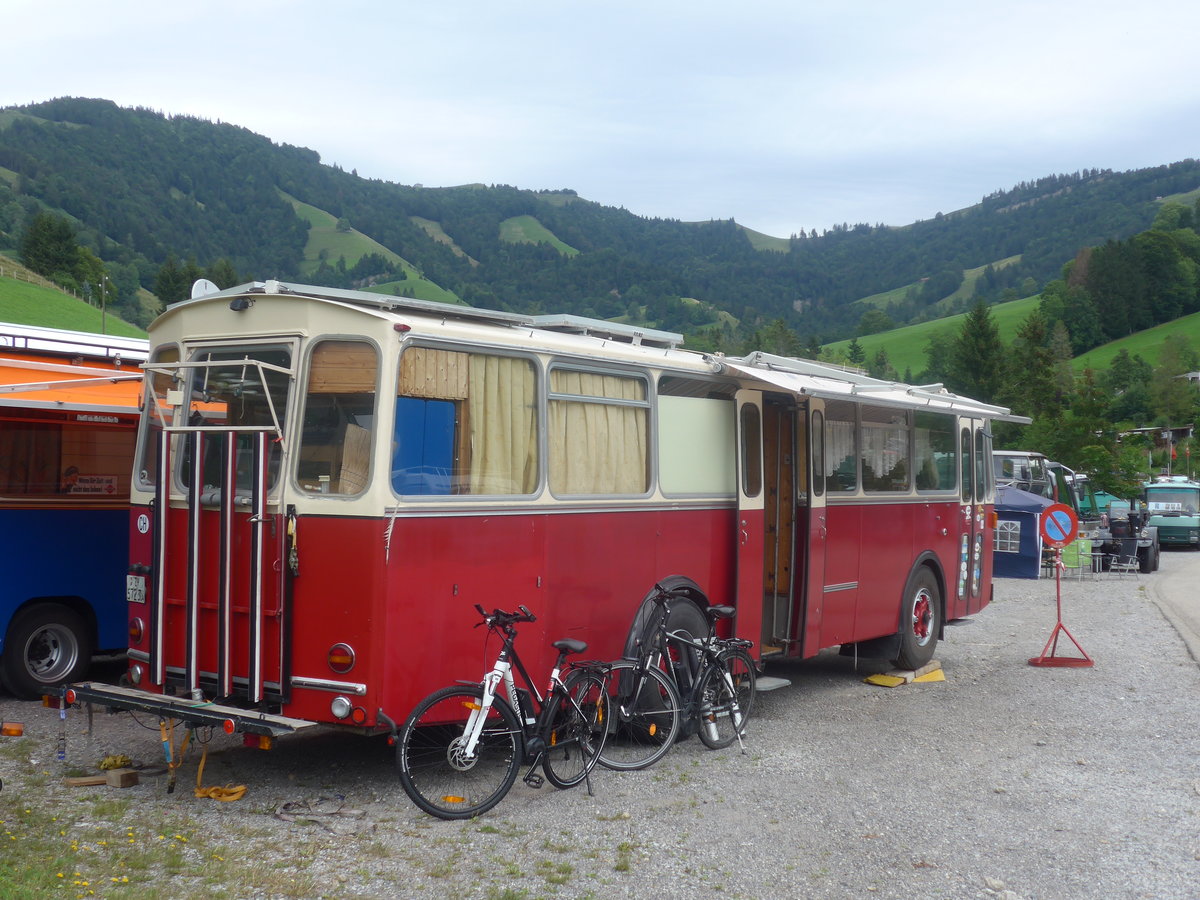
(841, 471)
(885, 462)
(502, 418)
(934, 462)
(598, 447)
(29, 459)
(466, 423)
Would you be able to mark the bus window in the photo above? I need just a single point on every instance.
(339, 416)
(598, 433)
(466, 423)
(934, 447)
(159, 413)
(818, 453)
(841, 455)
(237, 393)
(885, 461)
(50, 460)
(966, 480)
(695, 414)
(984, 483)
(751, 450)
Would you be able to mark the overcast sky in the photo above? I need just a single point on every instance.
(782, 115)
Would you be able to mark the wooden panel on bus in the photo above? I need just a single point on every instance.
(342, 367)
(439, 374)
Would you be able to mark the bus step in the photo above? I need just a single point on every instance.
(770, 683)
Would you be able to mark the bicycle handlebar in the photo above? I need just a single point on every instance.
(498, 618)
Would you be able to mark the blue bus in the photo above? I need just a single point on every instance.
(68, 420)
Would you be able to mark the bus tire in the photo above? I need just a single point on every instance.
(920, 620)
(47, 645)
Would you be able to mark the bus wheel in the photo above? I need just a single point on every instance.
(920, 620)
(47, 645)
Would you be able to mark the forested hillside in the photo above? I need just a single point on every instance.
(159, 199)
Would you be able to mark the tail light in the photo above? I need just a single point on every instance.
(341, 658)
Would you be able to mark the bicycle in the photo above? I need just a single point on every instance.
(460, 750)
(662, 691)
(721, 678)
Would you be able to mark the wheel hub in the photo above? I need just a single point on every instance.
(922, 616)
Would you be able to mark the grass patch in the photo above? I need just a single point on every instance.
(906, 346)
(1146, 344)
(528, 230)
(23, 303)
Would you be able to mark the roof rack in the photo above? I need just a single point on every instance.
(616, 331)
(599, 328)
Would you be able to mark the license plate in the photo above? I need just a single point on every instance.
(135, 589)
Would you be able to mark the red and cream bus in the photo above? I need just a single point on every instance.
(328, 481)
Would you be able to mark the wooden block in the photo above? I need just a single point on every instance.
(85, 780)
(122, 778)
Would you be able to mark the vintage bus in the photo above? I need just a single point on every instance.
(328, 481)
(68, 419)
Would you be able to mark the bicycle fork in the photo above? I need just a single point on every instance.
(735, 712)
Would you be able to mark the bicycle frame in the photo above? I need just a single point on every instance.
(528, 706)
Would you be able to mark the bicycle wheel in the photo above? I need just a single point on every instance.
(726, 696)
(644, 716)
(576, 735)
(435, 771)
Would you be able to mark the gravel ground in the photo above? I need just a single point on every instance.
(1003, 781)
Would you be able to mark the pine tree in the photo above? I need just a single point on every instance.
(48, 246)
(977, 360)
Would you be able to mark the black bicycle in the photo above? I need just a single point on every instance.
(673, 683)
(460, 750)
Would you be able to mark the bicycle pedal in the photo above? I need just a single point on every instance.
(534, 780)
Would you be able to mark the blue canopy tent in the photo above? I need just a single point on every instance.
(1018, 541)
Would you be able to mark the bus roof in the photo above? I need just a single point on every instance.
(798, 376)
(69, 371)
(804, 377)
(63, 343)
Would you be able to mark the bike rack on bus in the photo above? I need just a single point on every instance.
(227, 499)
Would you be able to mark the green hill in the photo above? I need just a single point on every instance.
(906, 346)
(25, 303)
(528, 230)
(218, 193)
(1145, 344)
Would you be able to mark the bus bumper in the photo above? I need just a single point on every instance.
(231, 719)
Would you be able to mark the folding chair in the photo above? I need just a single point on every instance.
(1126, 559)
(1077, 558)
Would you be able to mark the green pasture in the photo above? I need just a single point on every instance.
(22, 303)
(326, 242)
(528, 230)
(1145, 344)
(906, 346)
(435, 231)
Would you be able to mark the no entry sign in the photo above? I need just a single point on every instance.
(1059, 525)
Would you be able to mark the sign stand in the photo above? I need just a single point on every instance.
(1059, 526)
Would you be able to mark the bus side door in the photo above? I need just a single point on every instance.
(811, 585)
(974, 549)
(748, 533)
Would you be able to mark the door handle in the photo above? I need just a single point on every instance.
(745, 534)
